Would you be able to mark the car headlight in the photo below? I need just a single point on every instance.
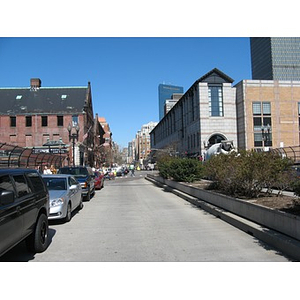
(57, 202)
(84, 185)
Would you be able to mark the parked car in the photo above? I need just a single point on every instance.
(24, 210)
(99, 180)
(85, 176)
(65, 195)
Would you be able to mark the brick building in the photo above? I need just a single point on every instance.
(268, 113)
(143, 148)
(38, 116)
(106, 149)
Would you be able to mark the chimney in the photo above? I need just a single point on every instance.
(35, 83)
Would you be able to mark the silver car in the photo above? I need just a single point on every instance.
(65, 195)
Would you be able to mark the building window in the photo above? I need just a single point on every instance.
(256, 108)
(266, 106)
(258, 140)
(74, 120)
(28, 121)
(257, 123)
(44, 121)
(60, 120)
(46, 138)
(12, 138)
(215, 98)
(13, 121)
(262, 124)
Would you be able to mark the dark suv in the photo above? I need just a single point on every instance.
(24, 209)
(85, 176)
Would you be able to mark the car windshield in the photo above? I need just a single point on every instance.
(58, 184)
(74, 171)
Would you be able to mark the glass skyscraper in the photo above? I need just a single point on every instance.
(165, 92)
(275, 58)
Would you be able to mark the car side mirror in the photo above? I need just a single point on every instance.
(73, 187)
(7, 197)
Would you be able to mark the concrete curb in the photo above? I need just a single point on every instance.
(284, 243)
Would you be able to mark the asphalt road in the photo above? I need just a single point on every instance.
(132, 220)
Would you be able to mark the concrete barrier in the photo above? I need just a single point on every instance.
(282, 222)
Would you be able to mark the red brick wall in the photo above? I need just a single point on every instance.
(36, 135)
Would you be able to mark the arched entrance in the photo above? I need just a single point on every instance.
(216, 138)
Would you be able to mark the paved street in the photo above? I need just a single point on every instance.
(131, 220)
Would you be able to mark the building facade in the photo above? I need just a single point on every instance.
(204, 115)
(268, 114)
(275, 58)
(171, 102)
(38, 116)
(143, 148)
(106, 149)
(165, 92)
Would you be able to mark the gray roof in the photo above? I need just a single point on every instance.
(215, 76)
(43, 100)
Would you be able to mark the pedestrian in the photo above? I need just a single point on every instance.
(132, 170)
(53, 170)
(46, 170)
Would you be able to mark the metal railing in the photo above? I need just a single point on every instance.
(12, 156)
(292, 152)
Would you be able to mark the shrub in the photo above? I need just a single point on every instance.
(180, 169)
(247, 173)
(163, 165)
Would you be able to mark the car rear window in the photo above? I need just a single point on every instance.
(74, 171)
(55, 184)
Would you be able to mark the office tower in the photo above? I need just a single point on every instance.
(275, 58)
(165, 92)
(171, 102)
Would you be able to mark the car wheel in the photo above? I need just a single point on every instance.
(38, 240)
(88, 196)
(69, 213)
(80, 206)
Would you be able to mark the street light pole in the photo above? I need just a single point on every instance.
(265, 132)
(73, 137)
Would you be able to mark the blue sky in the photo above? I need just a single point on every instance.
(127, 48)
(124, 72)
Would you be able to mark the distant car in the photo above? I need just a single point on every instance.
(119, 172)
(65, 195)
(85, 176)
(122, 171)
(99, 180)
(24, 209)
